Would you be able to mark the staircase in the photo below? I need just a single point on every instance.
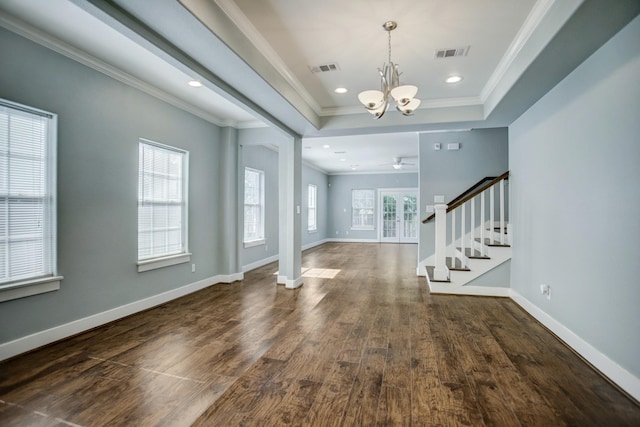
(473, 239)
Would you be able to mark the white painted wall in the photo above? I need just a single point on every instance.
(575, 168)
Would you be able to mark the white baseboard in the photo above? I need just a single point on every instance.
(273, 258)
(289, 283)
(353, 240)
(314, 244)
(259, 263)
(48, 336)
(616, 373)
(485, 291)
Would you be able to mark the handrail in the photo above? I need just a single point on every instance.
(470, 193)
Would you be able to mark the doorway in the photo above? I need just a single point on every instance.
(398, 216)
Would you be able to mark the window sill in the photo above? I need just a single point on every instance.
(253, 243)
(28, 288)
(155, 263)
(312, 231)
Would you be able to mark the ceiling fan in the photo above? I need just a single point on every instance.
(398, 163)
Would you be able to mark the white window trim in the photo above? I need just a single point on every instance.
(166, 261)
(28, 288)
(39, 285)
(263, 205)
(365, 228)
(315, 224)
(252, 243)
(148, 264)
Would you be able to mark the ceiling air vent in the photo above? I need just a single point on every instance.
(451, 52)
(324, 68)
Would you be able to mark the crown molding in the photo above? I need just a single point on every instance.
(260, 43)
(425, 104)
(48, 41)
(535, 17)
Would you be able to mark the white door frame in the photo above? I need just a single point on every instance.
(400, 192)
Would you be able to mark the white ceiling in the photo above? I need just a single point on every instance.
(253, 58)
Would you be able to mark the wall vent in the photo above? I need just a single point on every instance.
(324, 68)
(451, 52)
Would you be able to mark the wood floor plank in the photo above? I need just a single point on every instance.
(333, 397)
(395, 407)
(362, 408)
(370, 346)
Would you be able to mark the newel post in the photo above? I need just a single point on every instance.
(441, 272)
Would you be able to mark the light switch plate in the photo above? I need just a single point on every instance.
(438, 198)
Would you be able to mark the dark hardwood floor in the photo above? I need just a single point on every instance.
(369, 347)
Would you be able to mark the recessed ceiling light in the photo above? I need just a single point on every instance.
(326, 146)
(453, 79)
(195, 83)
(341, 90)
(354, 167)
(343, 160)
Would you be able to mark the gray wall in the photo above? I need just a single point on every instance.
(100, 123)
(574, 158)
(483, 152)
(321, 181)
(339, 206)
(266, 159)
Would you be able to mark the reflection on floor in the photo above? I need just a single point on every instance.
(322, 273)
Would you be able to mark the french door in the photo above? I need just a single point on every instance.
(398, 216)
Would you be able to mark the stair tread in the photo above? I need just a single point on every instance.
(492, 243)
(430, 270)
(458, 265)
(473, 255)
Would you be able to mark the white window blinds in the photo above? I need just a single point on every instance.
(27, 193)
(362, 209)
(162, 206)
(312, 194)
(253, 205)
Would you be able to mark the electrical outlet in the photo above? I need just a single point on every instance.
(266, 248)
(193, 268)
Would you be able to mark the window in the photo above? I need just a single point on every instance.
(162, 206)
(312, 218)
(362, 209)
(253, 207)
(27, 201)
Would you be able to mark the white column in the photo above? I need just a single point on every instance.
(441, 271)
(289, 195)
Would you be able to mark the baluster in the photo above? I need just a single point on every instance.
(472, 245)
(491, 212)
(502, 212)
(441, 272)
(453, 238)
(482, 224)
(463, 220)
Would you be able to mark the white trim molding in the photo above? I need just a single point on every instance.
(57, 333)
(155, 263)
(289, 283)
(616, 373)
(29, 287)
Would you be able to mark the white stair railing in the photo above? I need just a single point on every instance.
(460, 219)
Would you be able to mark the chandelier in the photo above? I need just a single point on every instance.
(377, 102)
